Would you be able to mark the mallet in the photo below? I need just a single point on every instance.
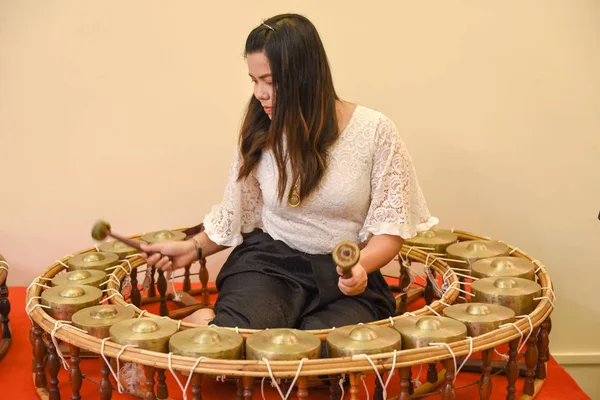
(346, 255)
(101, 231)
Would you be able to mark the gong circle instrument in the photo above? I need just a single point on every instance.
(346, 255)
(211, 342)
(473, 250)
(96, 260)
(362, 339)
(515, 267)
(296, 360)
(480, 318)
(436, 239)
(147, 333)
(282, 344)
(518, 294)
(89, 277)
(97, 320)
(64, 301)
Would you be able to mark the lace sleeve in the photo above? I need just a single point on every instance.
(239, 212)
(397, 204)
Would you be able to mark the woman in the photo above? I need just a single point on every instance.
(311, 170)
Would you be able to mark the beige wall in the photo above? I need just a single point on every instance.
(129, 110)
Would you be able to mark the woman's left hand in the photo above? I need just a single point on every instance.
(354, 285)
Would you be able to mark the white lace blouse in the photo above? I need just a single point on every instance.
(369, 188)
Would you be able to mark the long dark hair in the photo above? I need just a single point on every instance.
(304, 104)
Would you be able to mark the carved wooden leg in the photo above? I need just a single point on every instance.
(512, 370)
(540, 371)
(75, 373)
(334, 388)
(248, 383)
(531, 358)
(162, 291)
(161, 388)
(549, 320)
(485, 384)
(448, 392)
(40, 352)
(105, 385)
(404, 383)
(197, 387)
(411, 386)
(135, 296)
(187, 283)
(354, 388)
(152, 287)
(149, 372)
(302, 386)
(53, 368)
(203, 275)
(32, 341)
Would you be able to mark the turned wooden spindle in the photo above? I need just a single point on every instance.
(411, 386)
(187, 282)
(105, 385)
(149, 384)
(53, 365)
(136, 295)
(404, 383)
(540, 371)
(152, 286)
(334, 387)
(162, 392)
(485, 384)
(378, 391)
(75, 373)
(302, 387)
(549, 320)
(162, 291)
(403, 283)
(531, 359)
(40, 352)
(4, 311)
(248, 383)
(512, 369)
(429, 292)
(432, 374)
(448, 391)
(32, 341)
(197, 387)
(354, 385)
(203, 275)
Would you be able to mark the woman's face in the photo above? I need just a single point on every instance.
(260, 73)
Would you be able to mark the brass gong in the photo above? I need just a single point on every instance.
(362, 339)
(161, 236)
(421, 330)
(147, 333)
(516, 267)
(515, 293)
(282, 344)
(96, 260)
(437, 238)
(211, 342)
(119, 248)
(90, 277)
(480, 318)
(473, 250)
(97, 320)
(64, 301)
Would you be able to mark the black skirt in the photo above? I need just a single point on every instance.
(266, 284)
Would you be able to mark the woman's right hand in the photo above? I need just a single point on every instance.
(170, 255)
